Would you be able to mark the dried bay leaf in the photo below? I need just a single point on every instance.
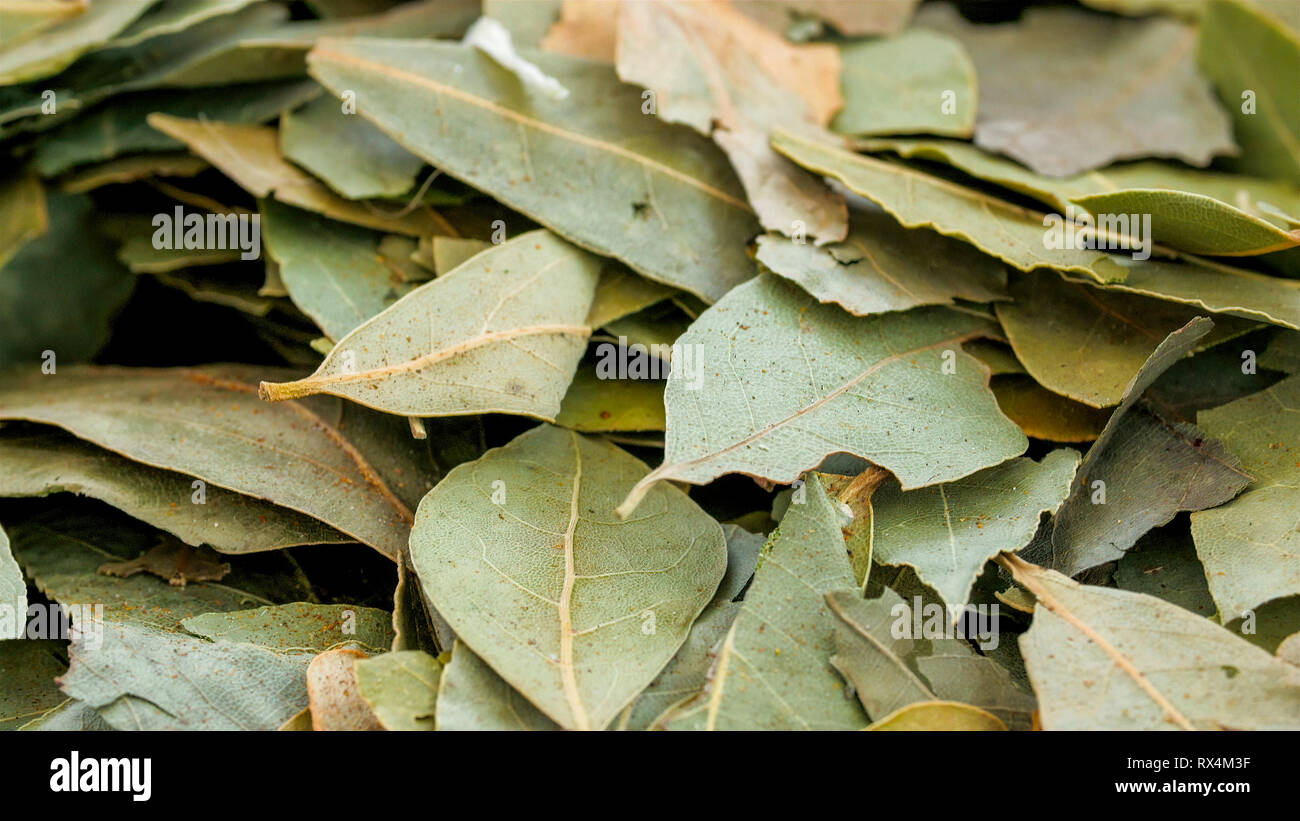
(61, 44)
(671, 210)
(142, 678)
(1031, 111)
(471, 696)
(122, 127)
(830, 382)
(27, 687)
(882, 266)
(401, 688)
(334, 695)
(1243, 48)
(155, 63)
(1251, 546)
(686, 674)
(714, 69)
(621, 293)
(566, 627)
(879, 665)
(595, 405)
(61, 290)
(425, 354)
(939, 716)
(347, 153)
(1042, 414)
(1253, 195)
(772, 670)
(1088, 343)
(1150, 469)
(916, 199)
(63, 560)
(947, 532)
(250, 155)
(1163, 564)
(132, 168)
(899, 85)
(20, 21)
(289, 454)
(1014, 234)
(333, 271)
(23, 213)
(1195, 223)
(298, 627)
(449, 253)
(1162, 667)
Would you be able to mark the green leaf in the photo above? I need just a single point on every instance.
(38, 464)
(21, 21)
(576, 609)
(121, 128)
(471, 696)
(517, 310)
(687, 673)
(734, 79)
(340, 467)
(1163, 564)
(939, 716)
(332, 271)
(655, 208)
(1009, 232)
(347, 153)
(1089, 343)
(171, 16)
(23, 213)
(1060, 127)
(1150, 469)
(873, 659)
(901, 85)
(27, 687)
(63, 558)
(250, 155)
(781, 382)
(883, 266)
(1259, 197)
(401, 688)
(621, 293)
(1243, 48)
(1251, 546)
(142, 678)
(772, 670)
(1138, 663)
(595, 405)
(298, 627)
(58, 46)
(1283, 353)
(68, 314)
(133, 168)
(1042, 414)
(947, 532)
(1195, 223)
(13, 592)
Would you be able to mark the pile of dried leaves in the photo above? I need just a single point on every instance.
(340, 338)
